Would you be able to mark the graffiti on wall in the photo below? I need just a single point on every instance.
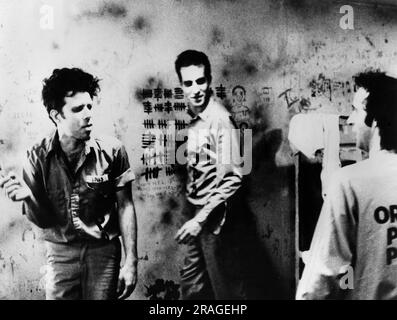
(162, 290)
(329, 88)
(320, 91)
(294, 103)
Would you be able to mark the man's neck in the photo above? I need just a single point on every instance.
(374, 142)
(200, 109)
(70, 145)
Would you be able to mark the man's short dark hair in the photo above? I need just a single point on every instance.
(381, 105)
(195, 58)
(67, 82)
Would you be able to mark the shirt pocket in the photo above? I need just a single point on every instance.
(101, 189)
(97, 200)
(59, 204)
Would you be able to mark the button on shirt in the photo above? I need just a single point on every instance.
(76, 205)
(213, 163)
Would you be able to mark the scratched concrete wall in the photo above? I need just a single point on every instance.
(290, 56)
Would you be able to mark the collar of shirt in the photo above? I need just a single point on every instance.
(205, 114)
(53, 144)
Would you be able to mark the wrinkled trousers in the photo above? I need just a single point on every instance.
(86, 270)
(212, 269)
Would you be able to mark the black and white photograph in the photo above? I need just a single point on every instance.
(214, 151)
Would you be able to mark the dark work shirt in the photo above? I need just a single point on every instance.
(76, 204)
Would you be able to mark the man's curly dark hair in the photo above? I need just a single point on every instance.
(67, 82)
(381, 105)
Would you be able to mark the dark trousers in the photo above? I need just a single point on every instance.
(86, 270)
(212, 268)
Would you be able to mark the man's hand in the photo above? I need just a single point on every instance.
(188, 232)
(14, 187)
(127, 281)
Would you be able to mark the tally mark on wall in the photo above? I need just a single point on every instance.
(159, 137)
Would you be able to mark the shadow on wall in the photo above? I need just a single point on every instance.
(254, 262)
(257, 256)
(264, 192)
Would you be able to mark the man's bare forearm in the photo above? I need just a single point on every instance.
(128, 227)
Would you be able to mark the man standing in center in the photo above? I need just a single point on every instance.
(214, 176)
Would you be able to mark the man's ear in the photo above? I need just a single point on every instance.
(54, 115)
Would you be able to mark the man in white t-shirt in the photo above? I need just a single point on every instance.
(353, 254)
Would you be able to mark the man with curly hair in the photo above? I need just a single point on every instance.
(77, 189)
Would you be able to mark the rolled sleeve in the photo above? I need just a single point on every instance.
(125, 178)
(37, 208)
(121, 169)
